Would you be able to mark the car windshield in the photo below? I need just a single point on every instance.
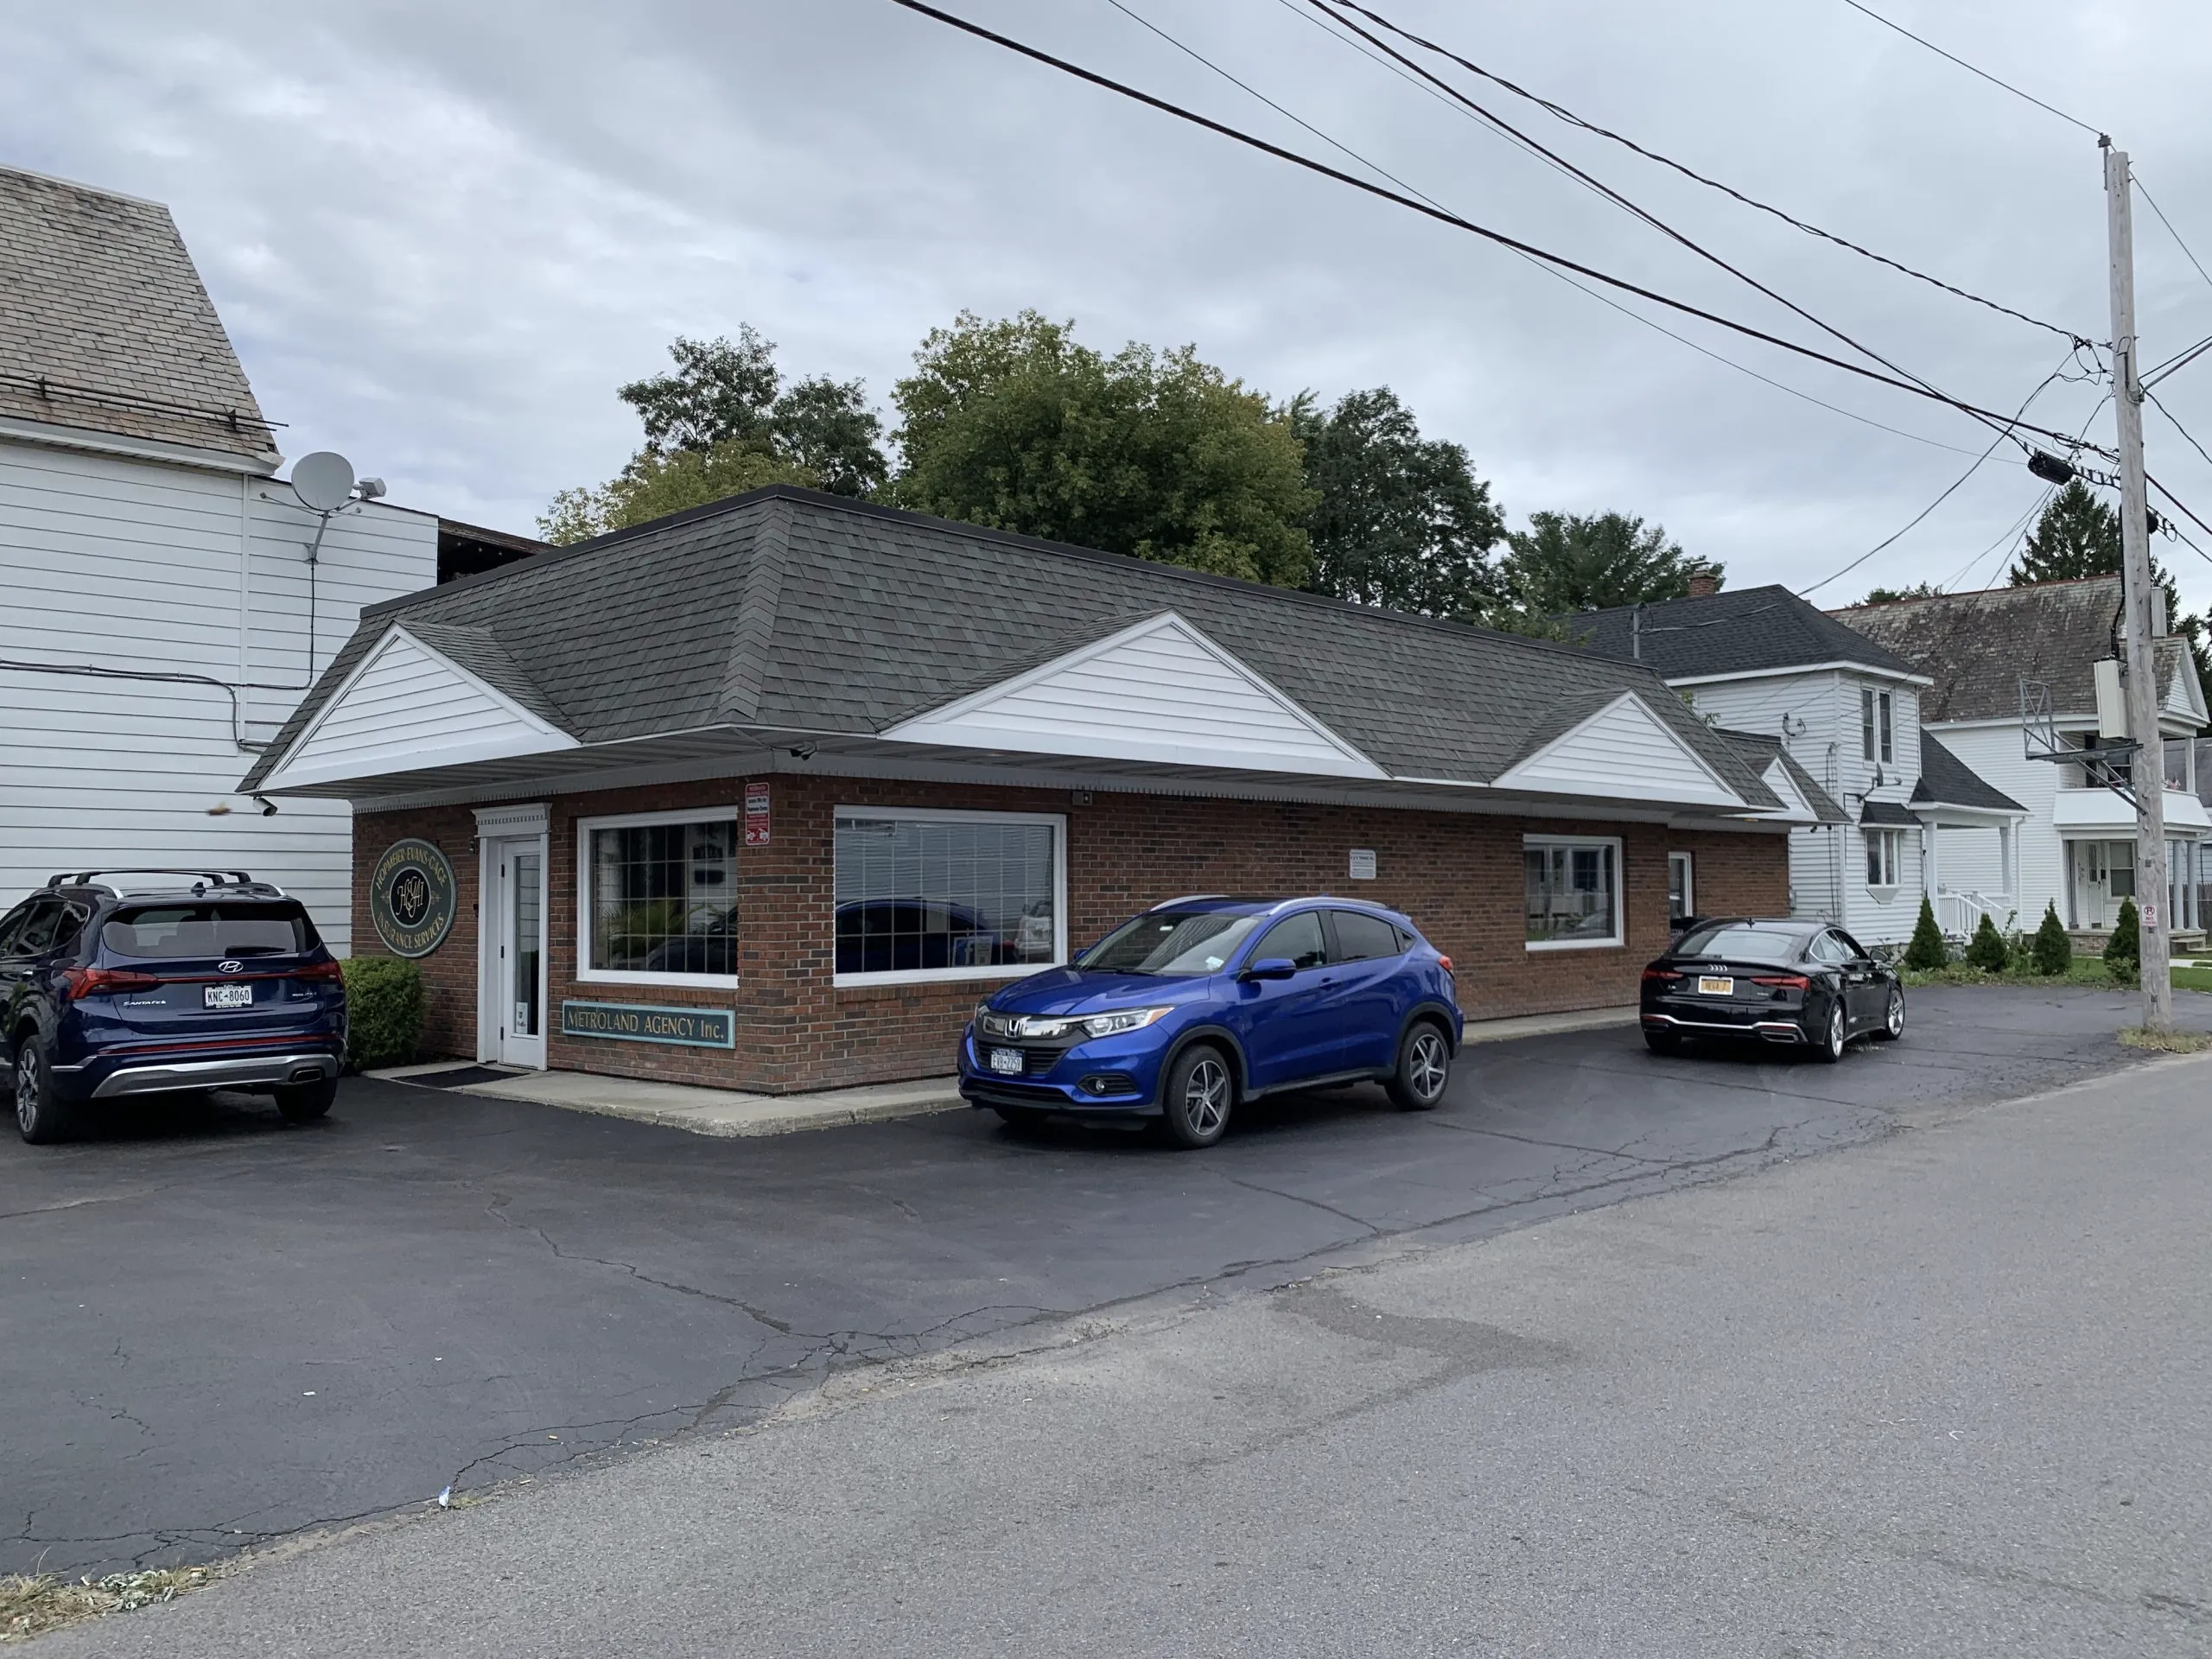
(1180, 944)
(170, 931)
(1740, 944)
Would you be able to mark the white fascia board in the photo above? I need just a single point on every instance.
(1801, 668)
(1795, 807)
(1524, 774)
(527, 733)
(969, 721)
(55, 436)
(1940, 812)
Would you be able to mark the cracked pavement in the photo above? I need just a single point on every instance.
(220, 1333)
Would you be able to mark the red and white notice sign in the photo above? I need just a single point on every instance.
(756, 814)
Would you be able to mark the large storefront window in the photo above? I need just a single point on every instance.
(947, 895)
(658, 899)
(1573, 888)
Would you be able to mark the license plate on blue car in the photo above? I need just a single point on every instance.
(1007, 1060)
(230, 996)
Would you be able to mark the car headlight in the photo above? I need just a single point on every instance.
(1121, 1020)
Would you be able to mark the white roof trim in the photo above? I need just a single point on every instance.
(1801, 668)
(1118, 698)
(1796, 809)
(518, 731)
(1572, 763)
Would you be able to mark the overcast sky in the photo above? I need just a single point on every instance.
(441, 234)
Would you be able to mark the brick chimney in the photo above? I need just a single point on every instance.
(1703, 583)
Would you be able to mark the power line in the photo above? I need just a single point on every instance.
(2092, 131)
(1378, 168)
(1573, 120)
(2010, 536)
(1616, 197)
(2168, 224)
(1443, 216)
(2178, 360)
(2177, 426)
(1949, 492)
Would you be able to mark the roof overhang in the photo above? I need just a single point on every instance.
(1834, 666)
(1951, 815)
(2106, 813)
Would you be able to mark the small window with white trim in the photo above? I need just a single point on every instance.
(1885, 856)
(1571, 891)
(656, 899)
(1682, 887)
(931, 895)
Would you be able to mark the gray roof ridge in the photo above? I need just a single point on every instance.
(79, 184)
(753, 638)
(494, 665)
(2003, 589)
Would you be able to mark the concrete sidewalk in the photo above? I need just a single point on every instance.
(703, 1111)
(733, 1112)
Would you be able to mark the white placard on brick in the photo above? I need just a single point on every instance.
(1363, 863)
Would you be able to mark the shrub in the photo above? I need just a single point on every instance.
(1927, 952)
(1987, 951)
(384, 1004)
(2123, 950)
(2054, 951)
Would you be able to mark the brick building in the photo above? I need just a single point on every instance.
(769, 793)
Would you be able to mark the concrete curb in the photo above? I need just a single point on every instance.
(726, 1112)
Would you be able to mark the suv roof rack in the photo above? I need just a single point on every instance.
(236, 881)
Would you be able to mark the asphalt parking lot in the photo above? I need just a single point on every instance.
(221, 1330)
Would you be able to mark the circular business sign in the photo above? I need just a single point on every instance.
(412, 898)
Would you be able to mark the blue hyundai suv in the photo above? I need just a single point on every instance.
(1201, 1003)
(133, 983)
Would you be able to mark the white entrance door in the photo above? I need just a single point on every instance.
(514, 950)
(2104, 874)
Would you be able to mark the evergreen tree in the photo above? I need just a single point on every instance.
(1927, 952)
(2079, 535)
(2123, 950)
(1986, 949)
(2053, 950)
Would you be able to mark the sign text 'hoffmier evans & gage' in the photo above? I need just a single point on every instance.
(627, 1022)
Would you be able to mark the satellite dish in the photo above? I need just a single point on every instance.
(323, 480)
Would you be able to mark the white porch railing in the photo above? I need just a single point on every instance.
(1959, 914)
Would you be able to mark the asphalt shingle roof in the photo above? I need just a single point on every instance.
(99, 300)
(1946, 780)
(788, 610)
(1979, 647)
(1737, 630)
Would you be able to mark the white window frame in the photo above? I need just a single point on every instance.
(1690, 882)
(1892, 841)
(588, 974)
(1885, 715)
(1528, 843)
(1058, 822)
(1866, 722)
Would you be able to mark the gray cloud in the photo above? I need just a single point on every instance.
(441, 235)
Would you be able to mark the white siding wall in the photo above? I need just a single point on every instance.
(1994, 752)
(115, 562)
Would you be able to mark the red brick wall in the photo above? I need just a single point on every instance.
(1458, 875)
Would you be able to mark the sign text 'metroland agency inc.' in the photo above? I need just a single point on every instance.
(627, 1022)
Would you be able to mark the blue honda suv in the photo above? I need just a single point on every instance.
(116, 982)
(1201, 1003)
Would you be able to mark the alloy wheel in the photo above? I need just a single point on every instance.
(1896, 1019)
(26, 1088)
(1835, 1030)
(1205, 1097)
(1426, 1065)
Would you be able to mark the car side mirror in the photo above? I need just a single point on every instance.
(1270, 968)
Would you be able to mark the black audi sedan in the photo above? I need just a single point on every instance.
(1805, 984)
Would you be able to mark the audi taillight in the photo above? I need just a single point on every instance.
(1783, 982)
(1664, 975)
(81, 983)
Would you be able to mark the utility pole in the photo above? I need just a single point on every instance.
(2148, 768)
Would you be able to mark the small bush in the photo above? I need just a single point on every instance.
(386, 1005)
(1926, 953)
(2123, 950)
(1987, 951)
(2054, 951)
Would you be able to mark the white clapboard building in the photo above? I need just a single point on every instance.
(159, 615)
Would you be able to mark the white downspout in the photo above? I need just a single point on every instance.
(245, 604)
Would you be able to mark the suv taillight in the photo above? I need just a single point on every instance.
(94, 982)
(331, 972)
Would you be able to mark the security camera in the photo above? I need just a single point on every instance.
(268, 806)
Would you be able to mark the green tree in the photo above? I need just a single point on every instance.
(722, 423)
(1985, 950)
(1015, 424)
(1568, 561)
(2123, 950)
(1891, 595)
(1927, 951)
(2078, 535)
(1401, 521)
(2053, 950)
